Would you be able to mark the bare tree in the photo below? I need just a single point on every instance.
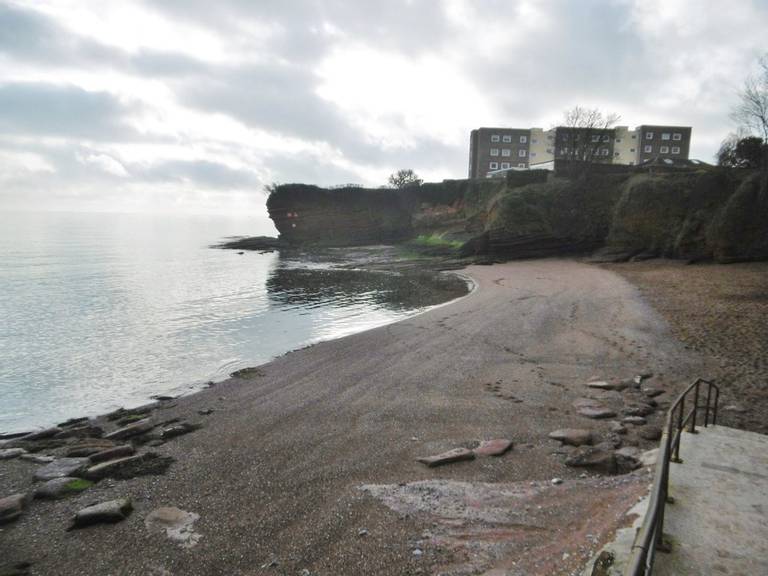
(586, 136)
(752, 113)
(404, 178)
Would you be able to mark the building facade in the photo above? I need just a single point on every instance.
(492, 149)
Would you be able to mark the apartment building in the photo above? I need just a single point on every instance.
(492, 149)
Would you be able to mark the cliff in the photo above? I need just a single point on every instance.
(697, 214)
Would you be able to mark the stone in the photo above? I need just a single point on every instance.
(594, 459)
(86, 431)
(634, 420)
(572, 436)
(88, 447)
(178, 430)
(652, 433)
(603, 563)
(455, 455)
(61, 487)
(586, 403)
(60, 468)
(556, 481)
(496, 447)
(638, 410)
(205, 412)
(11, 507)
(601, 384)
(38, 458)
(617, 428)
(176, 523)
(649, 457)
(112, 453)
(130, 467)
(135, 429)
(15, 569)
(105, 512)
(652, 391)
(735, 408)
(628, 451)
(8, 453)
(42, 434)
(74, 422)
(597, 412)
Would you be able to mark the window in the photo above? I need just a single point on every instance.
(677, 136)
(506, 151)
(521, 165)
(615, 153)
(494, 151)
(631, 149)
(523, 139)
(665, 135)
(495, 138)
(522, 153)
(664, 150)
(649, 135)
(534, 141)
(631, 162)
(533, 154)
(564, 150)
(606, 138)
(604, 152)
(507, 138)
(675, 149)
(618, 140)
(549, 150)
(493, 165)
(595, 138)
(648, 149)
(505, 165)
(634, 136)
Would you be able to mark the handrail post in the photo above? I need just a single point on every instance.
(717, 401)
(679, 429)
(695, 406)
(706, 410)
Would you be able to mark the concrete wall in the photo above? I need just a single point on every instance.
(625, 145)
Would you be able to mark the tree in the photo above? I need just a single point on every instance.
(752, 113)
(404, 178)
(738, 151)
(586, 136)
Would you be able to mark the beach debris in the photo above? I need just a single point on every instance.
(130, 467)
(8, 453)
(105, 512)
(112, 453)
(634, 420)
(38, 458)
(597, 412)
(572, 436)
(651, 433)
(61, 487)
(61, 468)
(617, 427)
(495, 447)
(177, 524)
(90, 446)
(135, 429)
(11, 507)
(455, 455)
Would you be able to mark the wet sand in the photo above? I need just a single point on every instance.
(275, 472)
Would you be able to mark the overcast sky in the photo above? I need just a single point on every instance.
(193, 105)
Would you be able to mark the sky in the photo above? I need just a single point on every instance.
(193, 106)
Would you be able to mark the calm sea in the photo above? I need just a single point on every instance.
(99, 311)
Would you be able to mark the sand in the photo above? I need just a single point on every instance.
(275, 474)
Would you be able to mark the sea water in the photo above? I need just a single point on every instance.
(99, 311)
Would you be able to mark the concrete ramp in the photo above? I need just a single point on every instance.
(718, 523)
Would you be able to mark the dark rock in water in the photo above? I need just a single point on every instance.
(572, 436)
(178, 430)
(260, 243)
(11, 507)
(497, 447)
(8, 453)
(15, 569)
(246, 373)
(61, 468)
(130, 467)
(61, 487)
(112, 453)
(106, 512)
(74, 422)
(135, 429)
(163, 398)
(651, 433)
(455, 455)
(124, 413)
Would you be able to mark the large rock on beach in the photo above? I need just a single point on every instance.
(455, 455)
(11, 507)
(61, 487)
(651, 433)
(42, 434)
(88, 447)
(135, 429)
(61, 468)
(572, 436)
(112, 453)
(602, 460)
(130, 467)
(638, 410)
(105, 512)
(597, 412)
(634, 420)
(8, 453)
(496, 447)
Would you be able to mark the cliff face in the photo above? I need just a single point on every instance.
(700, 214)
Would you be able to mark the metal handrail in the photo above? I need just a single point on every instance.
(649, 538)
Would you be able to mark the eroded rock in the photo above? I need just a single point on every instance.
(572, 436)
(88, 447)
(112, 453)
(455, 455)
(135, 429)
(634, 420)
(105, 512)
(61, 468)
(178, 430)
(8, 453)
(496, 447)
(177, 524)
(617, 428)
(638, 410)
(130, 467)
(602, 460)
(652, 433)
(597, 412)
(11, 507)
(61, 487)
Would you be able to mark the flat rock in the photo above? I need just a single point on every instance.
(586, 403)
(88, 447)
(135, 429)
(737, 408)
(61, 487)
(628, 451)
(15, 569)
(602, 460)
(597, 412)
(651, 433)
(37, 458)
(652, 391)
(42, 434)
(178, 430)
(638, 410)
(60, 468)
(105, 512)
(572, 436)
(177, 524)
(84, 431)
(634, 420)
(8, 453)
(11, 507)
(455, 455)
(600, 384)
(130, 467)
(112, 453)
(617, 428)
(496, 447)
(649, 457)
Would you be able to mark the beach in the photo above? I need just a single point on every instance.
(307, 465)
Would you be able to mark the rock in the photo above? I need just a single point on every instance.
(617, 428)
(652, 433)
(495, 447)
(112, 453)
(87, 431)
(649, 457)
(176, 523)
(603, 563)
(42, 434)
(556, 481)
(15, 569)
(455, 455)
(11, 507)
(572, 436)
(130, 467)
(652, 391)
(586, 403)
(61, 468)
(135, 429)
(628, 451)
(88, 447)
(735, 408)
(106, 512)
(74, 422)
(38, 458)
(9, 453)
(205, 412)
(178, 430)
(604, 385)
(61, 487)
(362, 532)
(634, 420)
(638, 410)
(597, 412)
(593, 458)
